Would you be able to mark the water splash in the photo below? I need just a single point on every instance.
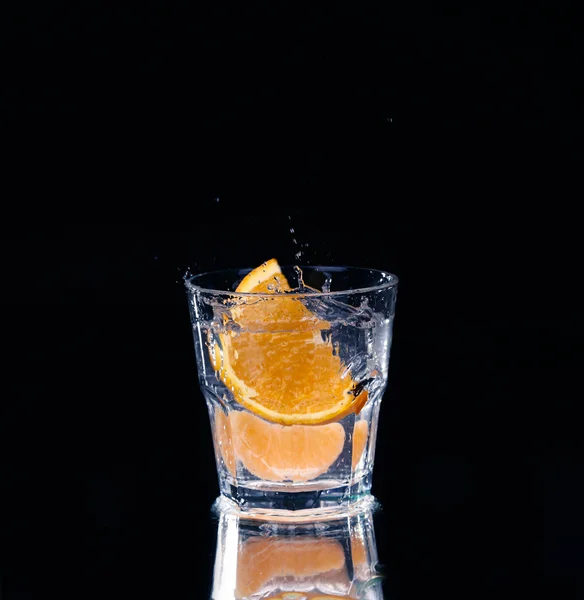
(299, 274)
(299, 254)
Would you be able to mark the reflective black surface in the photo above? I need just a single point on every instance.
(109, 475)
(440, 145)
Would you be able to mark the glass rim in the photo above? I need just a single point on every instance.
(392, 281)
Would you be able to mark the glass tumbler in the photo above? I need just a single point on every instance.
(293, 380)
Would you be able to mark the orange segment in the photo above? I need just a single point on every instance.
(263, 560)
(275, 453)
(359, 440)
(258, 280)
(279, 363)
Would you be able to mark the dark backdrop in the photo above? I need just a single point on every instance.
(439, 144)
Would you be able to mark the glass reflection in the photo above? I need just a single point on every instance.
(330, 560)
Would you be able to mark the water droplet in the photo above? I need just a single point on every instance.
(298, 255)
(301, 286)
(294, 240)
(326, 286)
(217, 199)
(291, 229)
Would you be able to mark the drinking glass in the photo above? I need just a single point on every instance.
(293, 383)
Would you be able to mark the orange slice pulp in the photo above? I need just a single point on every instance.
(278, 361)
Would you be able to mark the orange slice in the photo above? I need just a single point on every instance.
(279, 363)
(267, 274)
(275, 453)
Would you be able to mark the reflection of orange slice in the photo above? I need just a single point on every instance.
(305, 596)
(358, 550)
(280, 364)
(261, 561)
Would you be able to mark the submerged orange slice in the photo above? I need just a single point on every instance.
(275, 453)
(278, 361)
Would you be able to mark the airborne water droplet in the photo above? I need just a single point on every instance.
(326, 286)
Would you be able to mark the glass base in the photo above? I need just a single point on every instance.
(290, 507)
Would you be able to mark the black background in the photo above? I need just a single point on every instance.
(442, 144)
